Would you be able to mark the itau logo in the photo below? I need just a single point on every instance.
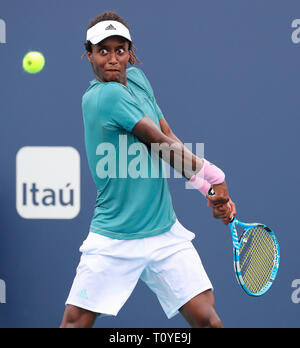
(48, 182)
(2, 31)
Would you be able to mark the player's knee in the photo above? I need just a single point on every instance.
(207, 318)
(216, 323)
(77, 318)
(207, 322)
(71, 320)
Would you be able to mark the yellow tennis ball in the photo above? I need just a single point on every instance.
(33, 62)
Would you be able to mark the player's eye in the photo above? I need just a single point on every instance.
(121, 50)
(103, 51)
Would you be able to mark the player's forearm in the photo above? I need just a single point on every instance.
(181, 158)
(214, 174)
(201, 174)
(168, 147)
(172, 150)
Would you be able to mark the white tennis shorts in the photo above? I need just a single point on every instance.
(109, 270)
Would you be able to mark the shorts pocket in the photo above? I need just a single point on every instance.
(96, 263)
(181, 232)
(95, 244)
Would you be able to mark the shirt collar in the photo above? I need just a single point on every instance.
(94, 82)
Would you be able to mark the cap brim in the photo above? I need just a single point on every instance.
(105, 29)
(97, 39)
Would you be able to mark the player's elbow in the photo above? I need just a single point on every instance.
(149, 133)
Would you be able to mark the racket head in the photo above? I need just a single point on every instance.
(257, 259)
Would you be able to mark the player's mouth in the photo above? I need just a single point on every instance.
(113, 70)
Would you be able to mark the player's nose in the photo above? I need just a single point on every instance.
(113, 58)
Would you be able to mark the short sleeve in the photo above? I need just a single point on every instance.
(117, 107)
(158, 110)
(147, 87)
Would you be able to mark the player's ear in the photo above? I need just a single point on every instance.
(90, 57)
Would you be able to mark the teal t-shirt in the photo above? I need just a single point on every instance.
(133, 198)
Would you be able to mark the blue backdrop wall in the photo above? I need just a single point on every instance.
(225, 73)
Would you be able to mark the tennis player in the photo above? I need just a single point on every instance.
(134, 233)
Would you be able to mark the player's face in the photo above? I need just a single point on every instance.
(109, 59)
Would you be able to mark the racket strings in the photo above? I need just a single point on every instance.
(256, 259)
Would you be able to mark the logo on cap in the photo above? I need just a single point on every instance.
(110, 27)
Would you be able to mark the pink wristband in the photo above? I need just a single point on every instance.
(211, 173)
(207, 176)
(200, 184)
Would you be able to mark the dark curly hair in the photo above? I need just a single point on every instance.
(111, 16)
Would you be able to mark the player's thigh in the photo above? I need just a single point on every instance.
(200, 311)
(176, 275)
(75, 317)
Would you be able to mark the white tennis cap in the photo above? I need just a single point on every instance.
(105, 29)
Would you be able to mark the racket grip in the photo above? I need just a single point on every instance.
(232, 219)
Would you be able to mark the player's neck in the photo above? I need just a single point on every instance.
(123, 80)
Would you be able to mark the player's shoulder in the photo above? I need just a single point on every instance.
(135, 73)
(138, 77)
(113, 89)
(108, 92)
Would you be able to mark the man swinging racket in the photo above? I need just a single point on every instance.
(134, 233)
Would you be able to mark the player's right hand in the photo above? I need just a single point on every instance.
(220, 196)
(225, 212)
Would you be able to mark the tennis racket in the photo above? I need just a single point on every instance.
(256, 256)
